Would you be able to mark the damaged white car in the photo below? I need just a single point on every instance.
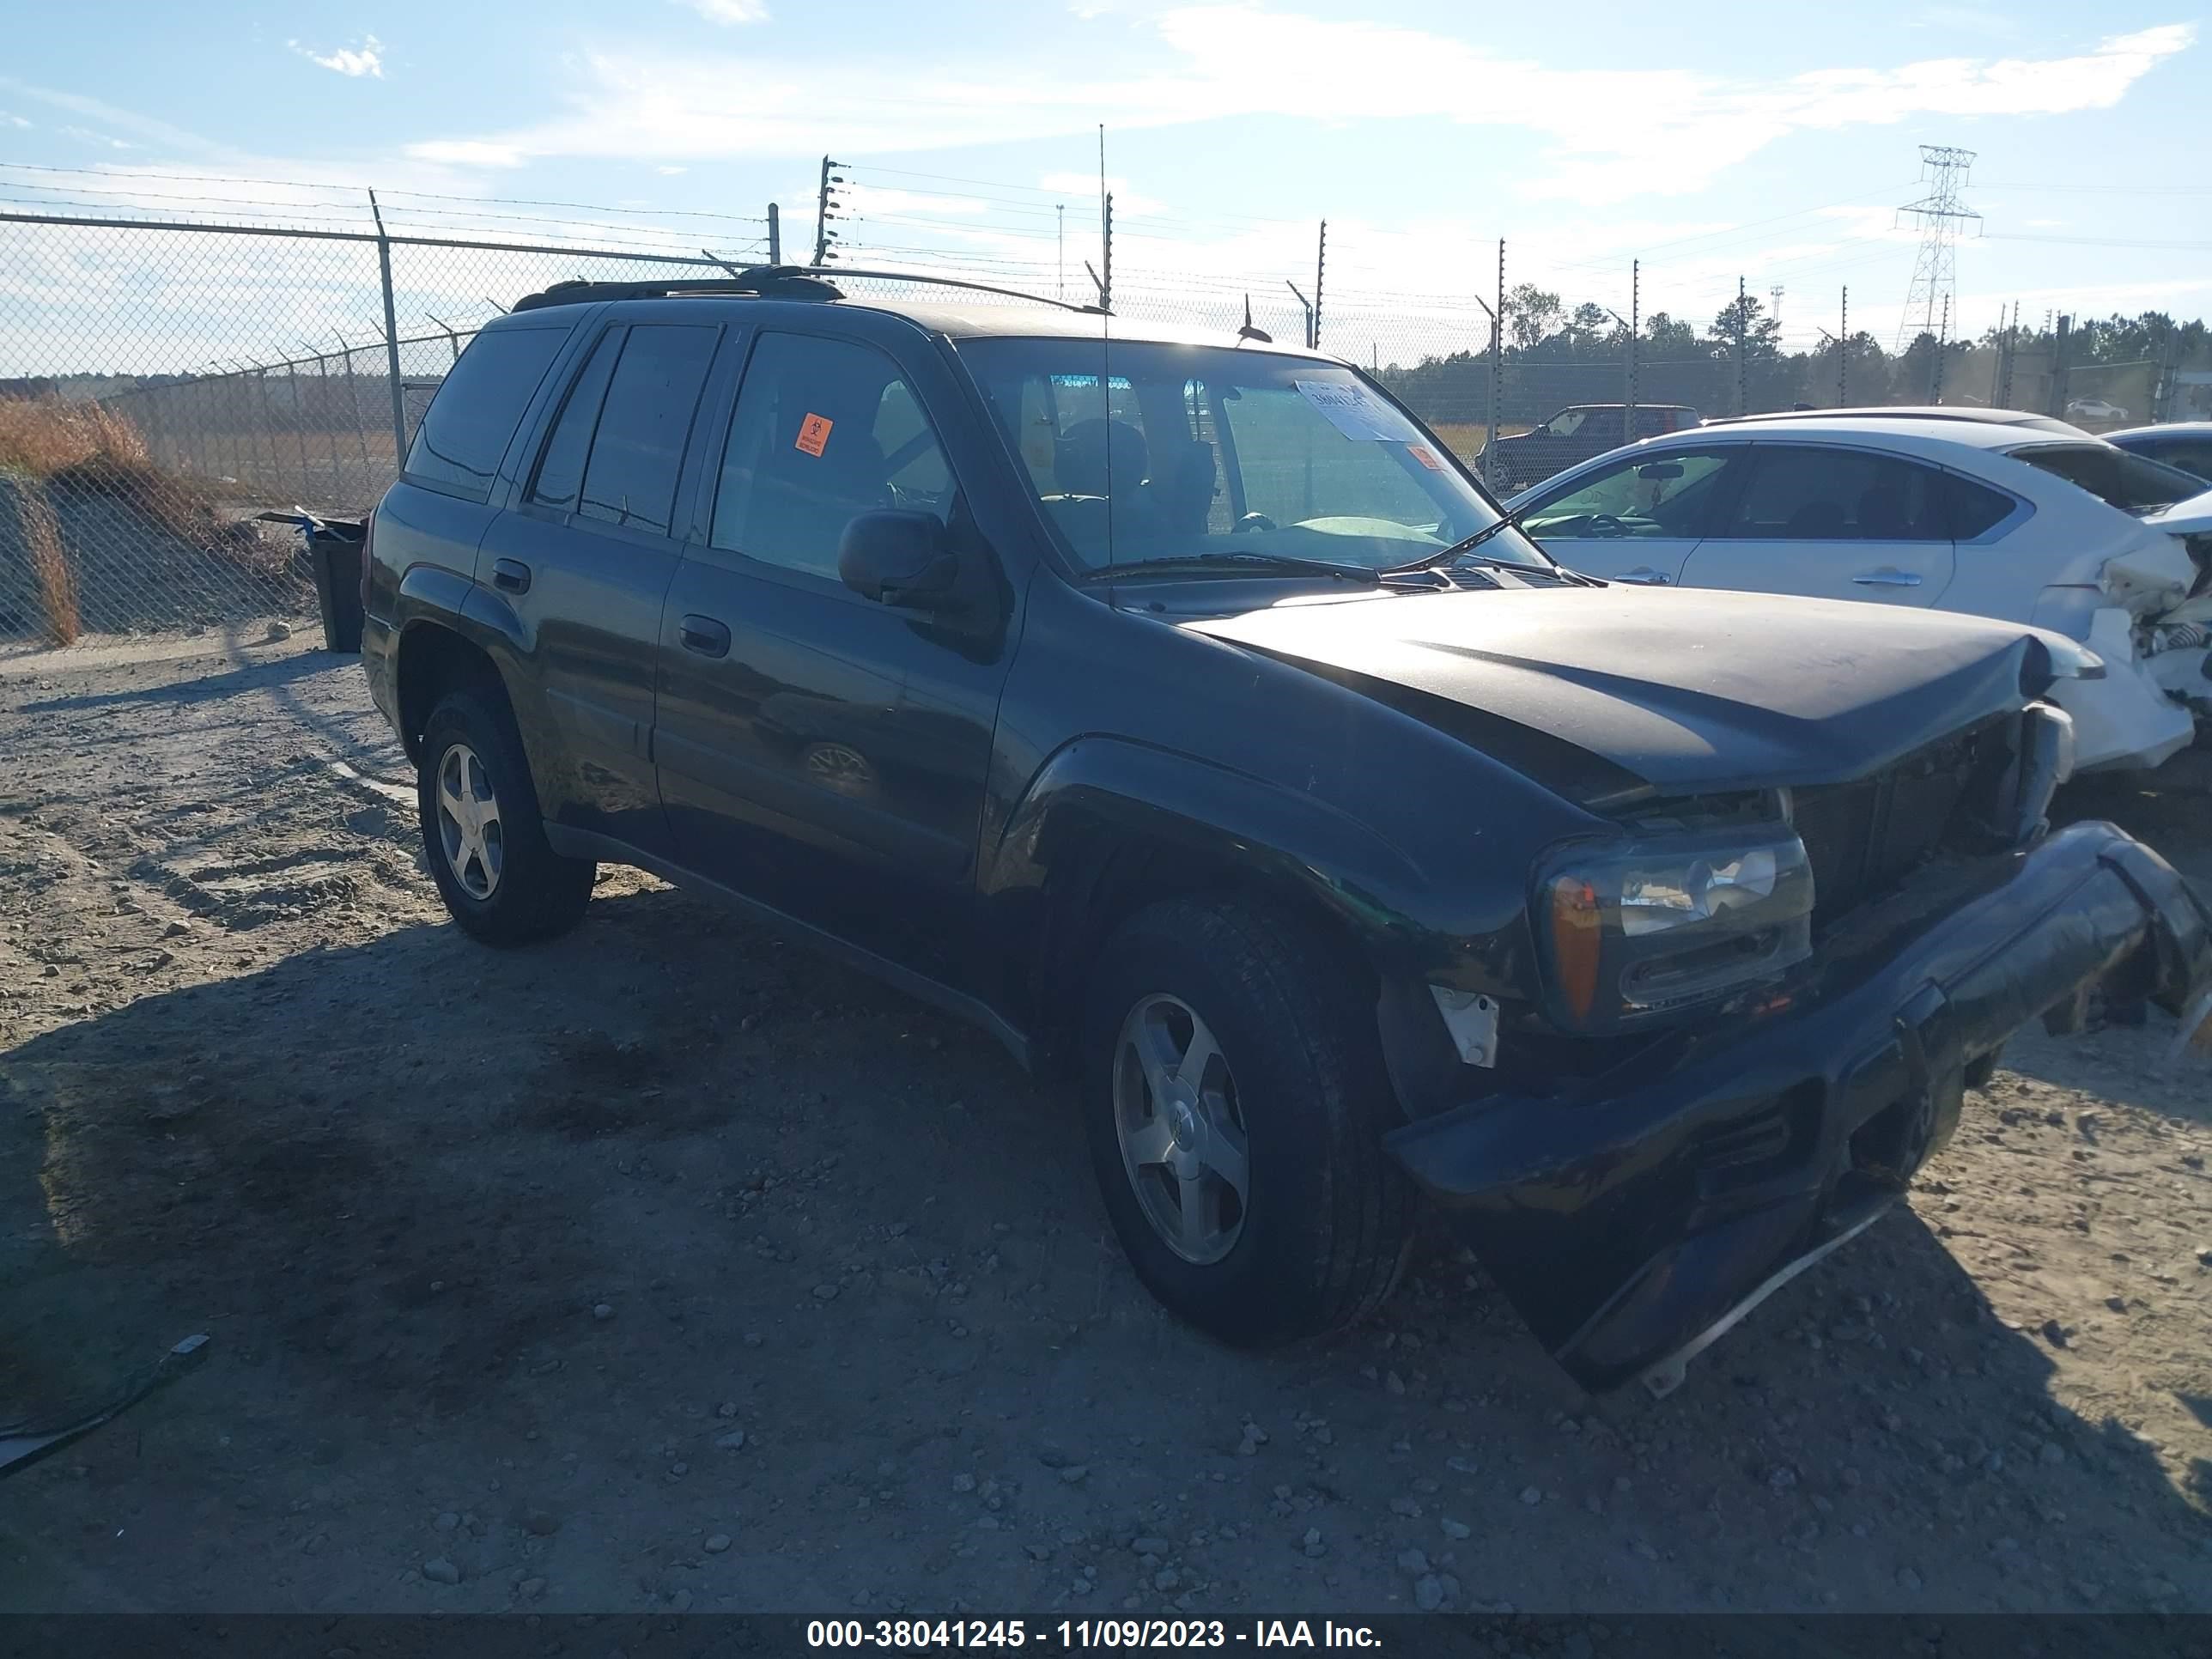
(2028, 521)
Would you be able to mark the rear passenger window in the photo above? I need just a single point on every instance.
(644, 423)
(466, 430)
(1802, 493)
(561, 472)
(1974, 509)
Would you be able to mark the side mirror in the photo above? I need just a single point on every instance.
(898, 558)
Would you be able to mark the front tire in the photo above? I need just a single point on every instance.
(482, 834)
(1235, 1101)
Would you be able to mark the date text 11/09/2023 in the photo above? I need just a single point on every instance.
(926, 1634)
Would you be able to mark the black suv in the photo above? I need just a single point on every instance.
(1575, 436)
(1178, 710)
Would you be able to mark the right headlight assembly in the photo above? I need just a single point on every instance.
(1635, 931)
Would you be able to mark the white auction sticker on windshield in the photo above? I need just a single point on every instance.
(1355, 412)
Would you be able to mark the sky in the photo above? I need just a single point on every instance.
(1709, 142)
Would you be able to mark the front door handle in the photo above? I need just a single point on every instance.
(705, 635)
(1889, 576)
(1643, 576)
(512, 574)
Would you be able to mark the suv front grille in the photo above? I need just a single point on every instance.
(1863, 838)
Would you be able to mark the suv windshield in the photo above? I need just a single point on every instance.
(2134, 484)
(1144, 452)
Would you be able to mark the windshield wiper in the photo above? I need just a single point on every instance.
(1225, 563)
(1459, 549)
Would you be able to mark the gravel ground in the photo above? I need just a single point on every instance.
(668, 1267)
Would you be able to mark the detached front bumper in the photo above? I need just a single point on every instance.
(1635, 1221)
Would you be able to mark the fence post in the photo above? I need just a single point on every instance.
(1321, 269)
(1844, 354)
(330, 427)
(391, 339)
(775, 235)
(1742, 393)
(353, 401)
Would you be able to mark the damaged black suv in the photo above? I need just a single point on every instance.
(1180, 711)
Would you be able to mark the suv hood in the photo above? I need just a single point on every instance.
(1605, 694)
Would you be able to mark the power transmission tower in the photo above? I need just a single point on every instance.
(1940, 213)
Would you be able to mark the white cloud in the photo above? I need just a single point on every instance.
(1615, 135)
(353, 62)
(670, 173)
(10, 118)
(124, 120)
(87, 136)
(728, 11)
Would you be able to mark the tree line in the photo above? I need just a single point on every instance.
(1554, 354)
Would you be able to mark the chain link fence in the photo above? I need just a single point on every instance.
(163, 383)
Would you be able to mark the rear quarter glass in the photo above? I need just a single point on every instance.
(472, 417)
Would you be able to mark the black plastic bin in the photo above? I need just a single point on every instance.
(334, 549)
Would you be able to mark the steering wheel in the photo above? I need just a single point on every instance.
(1253, 521)
(1606, 526)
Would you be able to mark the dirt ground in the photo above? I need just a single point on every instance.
(668, 1267)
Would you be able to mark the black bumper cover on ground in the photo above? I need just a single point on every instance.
(1628, 1222)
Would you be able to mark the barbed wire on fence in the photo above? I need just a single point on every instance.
(165, 374)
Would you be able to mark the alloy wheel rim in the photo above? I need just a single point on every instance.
(469, 827)
(1180, 1129)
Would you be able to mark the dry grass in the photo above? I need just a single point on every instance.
(88, 453)
(41, 437)
(50, 566)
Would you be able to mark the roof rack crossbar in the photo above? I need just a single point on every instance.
(767, 282)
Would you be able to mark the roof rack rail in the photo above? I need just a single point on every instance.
(766, 283)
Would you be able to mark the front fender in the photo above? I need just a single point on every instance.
(1094, 786)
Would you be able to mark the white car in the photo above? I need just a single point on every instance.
(2095, 408)
(2020, 519)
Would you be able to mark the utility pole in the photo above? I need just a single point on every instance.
(1843, 353)
(1774, 315)
(775, 235)
(1321, 265)
(1743, 396)
(1305, 305)
(1105, 227)
(1496, 359)
(1060, 252)
(824, 205)
(1940, 213)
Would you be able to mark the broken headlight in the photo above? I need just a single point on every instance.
(1636, 930)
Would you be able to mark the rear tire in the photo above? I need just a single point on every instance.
(1295, 1094)
(482, 834)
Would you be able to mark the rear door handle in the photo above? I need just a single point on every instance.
(1887, 577)
(1643, 576)
(512, 574)
(705, 635)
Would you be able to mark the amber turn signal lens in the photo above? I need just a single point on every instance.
(1577, 943)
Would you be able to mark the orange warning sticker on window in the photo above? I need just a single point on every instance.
(814, 434)
(1425, 456)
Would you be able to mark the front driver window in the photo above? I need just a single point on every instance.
(824, 430)
(1657, 496)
